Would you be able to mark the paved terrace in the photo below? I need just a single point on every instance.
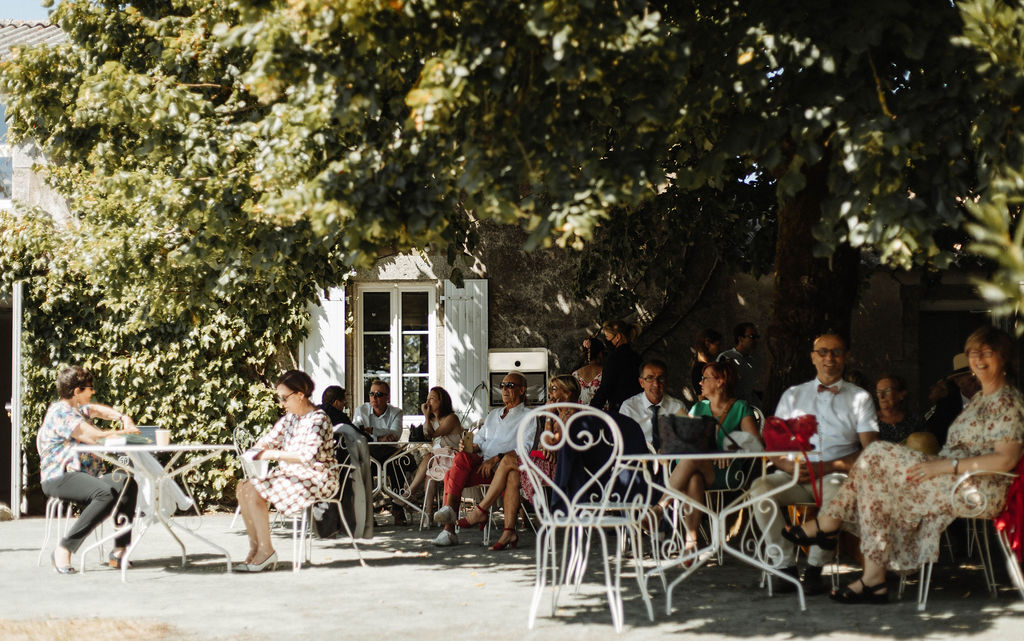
(414, 591)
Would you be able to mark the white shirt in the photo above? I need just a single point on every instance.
(841, 417)
(638, 408)
(498, 435)
(390, 422)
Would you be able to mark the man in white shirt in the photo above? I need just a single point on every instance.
(846, 425)
(746, 337)
(381, 422)
(476, 465)
(645, 407)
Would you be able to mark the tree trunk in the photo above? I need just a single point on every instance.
(812, 295)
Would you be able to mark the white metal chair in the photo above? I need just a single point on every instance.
(58, 521)
(302, 544)
(581, 512)
(974, 503)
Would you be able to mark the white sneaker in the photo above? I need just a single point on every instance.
(446, 539)
(445, 516)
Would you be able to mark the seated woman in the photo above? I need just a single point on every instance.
(508, 481)
(442, 426)
(77, 478)
(303, 442)
(693, 477)
(894, 423)
(897, 500)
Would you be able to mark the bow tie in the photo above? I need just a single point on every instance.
(826, 388)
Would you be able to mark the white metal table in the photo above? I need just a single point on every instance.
(691, 561)
(161, 481)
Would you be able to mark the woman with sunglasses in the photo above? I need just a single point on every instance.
(302, 442)
(77, 477)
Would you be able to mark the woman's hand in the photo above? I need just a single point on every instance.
(928, 469)
(425, 410)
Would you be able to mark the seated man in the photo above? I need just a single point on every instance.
(846, 425)
(333, 404)
(495, 438)
(652, 402)
(382, 422)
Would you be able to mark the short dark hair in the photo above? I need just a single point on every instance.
(70, 379)
(652, 362)
(740, 330)
(332, 393)
(297, 381)
(380, 382)
(725, 370)
(446, 407)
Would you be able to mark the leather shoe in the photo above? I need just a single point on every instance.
(782, 586)
(813, 585)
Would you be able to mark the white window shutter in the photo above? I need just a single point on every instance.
(465, 346)
(323, 352)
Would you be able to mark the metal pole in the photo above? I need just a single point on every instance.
(16, 496)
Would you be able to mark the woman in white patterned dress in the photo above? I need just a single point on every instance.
(897, 500)
(303, 444)
(589, 376)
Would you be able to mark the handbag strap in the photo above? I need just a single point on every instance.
(817, 480)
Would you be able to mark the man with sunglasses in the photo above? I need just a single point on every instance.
(846, 425)
(476, 461)
(381, 421)
(746, 337)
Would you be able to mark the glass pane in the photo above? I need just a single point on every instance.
(414, 394)
(414, 354)
(414, 311)
(376, 311)
(6, 177)
(377, 356)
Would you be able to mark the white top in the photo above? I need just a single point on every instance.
(638, 408)
(498, 435)
(390, 422)
(841, 417)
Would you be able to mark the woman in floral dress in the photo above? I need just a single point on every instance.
(303, 444)
(897, 500)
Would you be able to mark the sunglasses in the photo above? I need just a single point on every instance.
(504, 385)
(378, 394)
(282, 398)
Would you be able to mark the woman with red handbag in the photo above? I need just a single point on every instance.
(897, 500)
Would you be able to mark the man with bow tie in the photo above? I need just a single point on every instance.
(846, 425)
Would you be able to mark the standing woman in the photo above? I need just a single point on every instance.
(589, 376)
(897, 500)
(302, 442)
(73, 477)
(620, 377)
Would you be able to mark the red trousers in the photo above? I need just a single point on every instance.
(465, 472)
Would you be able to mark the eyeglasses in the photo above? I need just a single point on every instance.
(836, 353)
(885, 392)
(507, 385)
(987, 353)
(652, 379)
(283, 398)
(87, 387)
(708, 378)
(751, 336)
(378, 394)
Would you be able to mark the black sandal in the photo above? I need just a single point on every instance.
(824, 540)
(868, 594)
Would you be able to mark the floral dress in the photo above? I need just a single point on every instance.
(291, 487)
(900, 523)
(587, 390)
(56, 446)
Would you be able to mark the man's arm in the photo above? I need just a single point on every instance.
(394, 429)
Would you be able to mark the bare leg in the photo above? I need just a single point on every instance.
(512, 501)
(250, 525)
(691, 519)
(420, 477)
(256, 514)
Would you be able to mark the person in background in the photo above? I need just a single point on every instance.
(618, 378)
(589, 376)
(709, 344)
(332, 402)
(894, 423)
(380, 420)
(746, 337)
(77, 477)
(441, 425)
(652, 402)
(302, 441)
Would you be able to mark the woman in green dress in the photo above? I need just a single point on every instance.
(693, 477)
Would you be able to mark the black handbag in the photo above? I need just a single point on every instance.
(686, 434)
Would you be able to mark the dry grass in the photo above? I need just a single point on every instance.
(75, 629)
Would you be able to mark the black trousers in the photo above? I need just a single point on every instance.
(98, 497)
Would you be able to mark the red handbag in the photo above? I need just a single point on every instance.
(790, 434)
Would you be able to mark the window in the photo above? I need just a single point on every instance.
(395, 342)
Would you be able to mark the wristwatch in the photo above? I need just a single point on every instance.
(956, 464)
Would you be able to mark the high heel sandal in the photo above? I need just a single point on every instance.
(464, 522)
(824, 540)
(868, 594)
(259, 567)
(511, 545)
(61, 569)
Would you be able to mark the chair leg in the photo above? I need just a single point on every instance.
(924, 582)
(1012, 565)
